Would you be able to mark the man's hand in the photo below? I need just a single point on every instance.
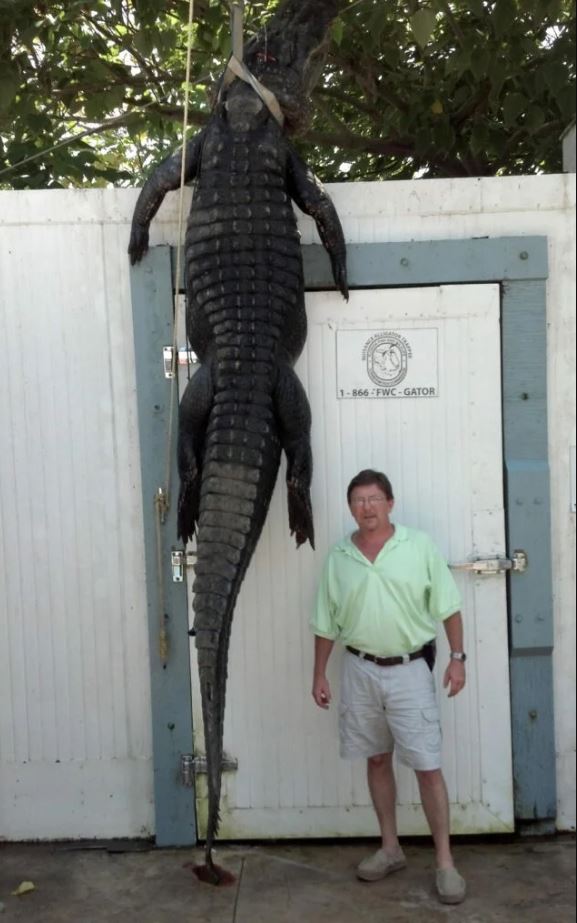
(322, 692)
(455, 677)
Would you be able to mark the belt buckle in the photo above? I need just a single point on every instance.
(406, 659)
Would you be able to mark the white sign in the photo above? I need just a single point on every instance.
(387, 364)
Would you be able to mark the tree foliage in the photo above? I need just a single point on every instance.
(91, 93)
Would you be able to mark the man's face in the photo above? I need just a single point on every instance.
(371, 509)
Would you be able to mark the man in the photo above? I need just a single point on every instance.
(383, 592)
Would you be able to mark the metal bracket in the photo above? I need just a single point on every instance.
(187, 770)
(180, 561)
(185, 357)
(488, 567)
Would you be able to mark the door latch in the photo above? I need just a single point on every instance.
(180, 561)
(228, 764)
(488, 567)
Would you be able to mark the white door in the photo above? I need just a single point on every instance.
(406, 381)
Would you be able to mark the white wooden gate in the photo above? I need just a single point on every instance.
(406, 381)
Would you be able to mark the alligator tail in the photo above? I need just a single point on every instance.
(240, 466)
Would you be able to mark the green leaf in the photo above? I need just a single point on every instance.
(143, 42)
(423, 141)
(477, 7)
(498, 74)
(555, 76)
(443, 135)
(535, 118)
(114, 97)
(225, 45)
(9, 85)
(460, 61)
(479, 139)
(552, 9)
(504, 15)
(39, 123)
(423, 25)
(513, 106)
(338, 31)
(96, 106)
(566, 102)
(376, 26)
(481, 62)
(96, 72)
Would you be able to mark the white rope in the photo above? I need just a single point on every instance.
(174, 388)
(162, 497)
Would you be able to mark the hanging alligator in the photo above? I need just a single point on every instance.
(246, 322)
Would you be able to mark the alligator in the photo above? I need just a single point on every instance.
(246, 322)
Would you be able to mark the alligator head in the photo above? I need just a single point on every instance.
(287, 55)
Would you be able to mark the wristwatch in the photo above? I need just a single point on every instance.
(458, 655)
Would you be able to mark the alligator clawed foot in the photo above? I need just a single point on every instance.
(300, 512)
(138, 245)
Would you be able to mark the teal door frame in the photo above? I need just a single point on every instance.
(520, 266)
(172, 732)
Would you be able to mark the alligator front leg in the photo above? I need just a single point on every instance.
(165, 178)
(311, 197)
(195, 408)
(294, 416)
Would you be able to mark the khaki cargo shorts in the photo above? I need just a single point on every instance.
(389, 708)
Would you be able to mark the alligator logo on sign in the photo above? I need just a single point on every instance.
(387, 356)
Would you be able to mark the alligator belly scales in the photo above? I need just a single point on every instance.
(246, 321)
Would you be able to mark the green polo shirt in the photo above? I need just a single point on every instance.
(390, 607)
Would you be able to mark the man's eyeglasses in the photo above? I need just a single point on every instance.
(368, 501)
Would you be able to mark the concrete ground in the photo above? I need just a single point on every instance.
(524, 881)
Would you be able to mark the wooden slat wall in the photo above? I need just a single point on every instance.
(74, 685)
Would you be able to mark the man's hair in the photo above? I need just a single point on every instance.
(368, 477)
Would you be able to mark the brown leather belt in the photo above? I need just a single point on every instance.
(387, 661)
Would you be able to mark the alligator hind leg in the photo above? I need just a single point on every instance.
(194, 412)
(294, 417)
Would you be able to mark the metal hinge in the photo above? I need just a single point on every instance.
(185, 357)
(191, 766)
(487, 567)
(180, 561)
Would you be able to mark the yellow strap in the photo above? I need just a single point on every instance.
(237, 68)
(269, 99)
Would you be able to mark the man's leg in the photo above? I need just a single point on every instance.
(436, 806)
(364, 729)
(451, 887)
(383, 789)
